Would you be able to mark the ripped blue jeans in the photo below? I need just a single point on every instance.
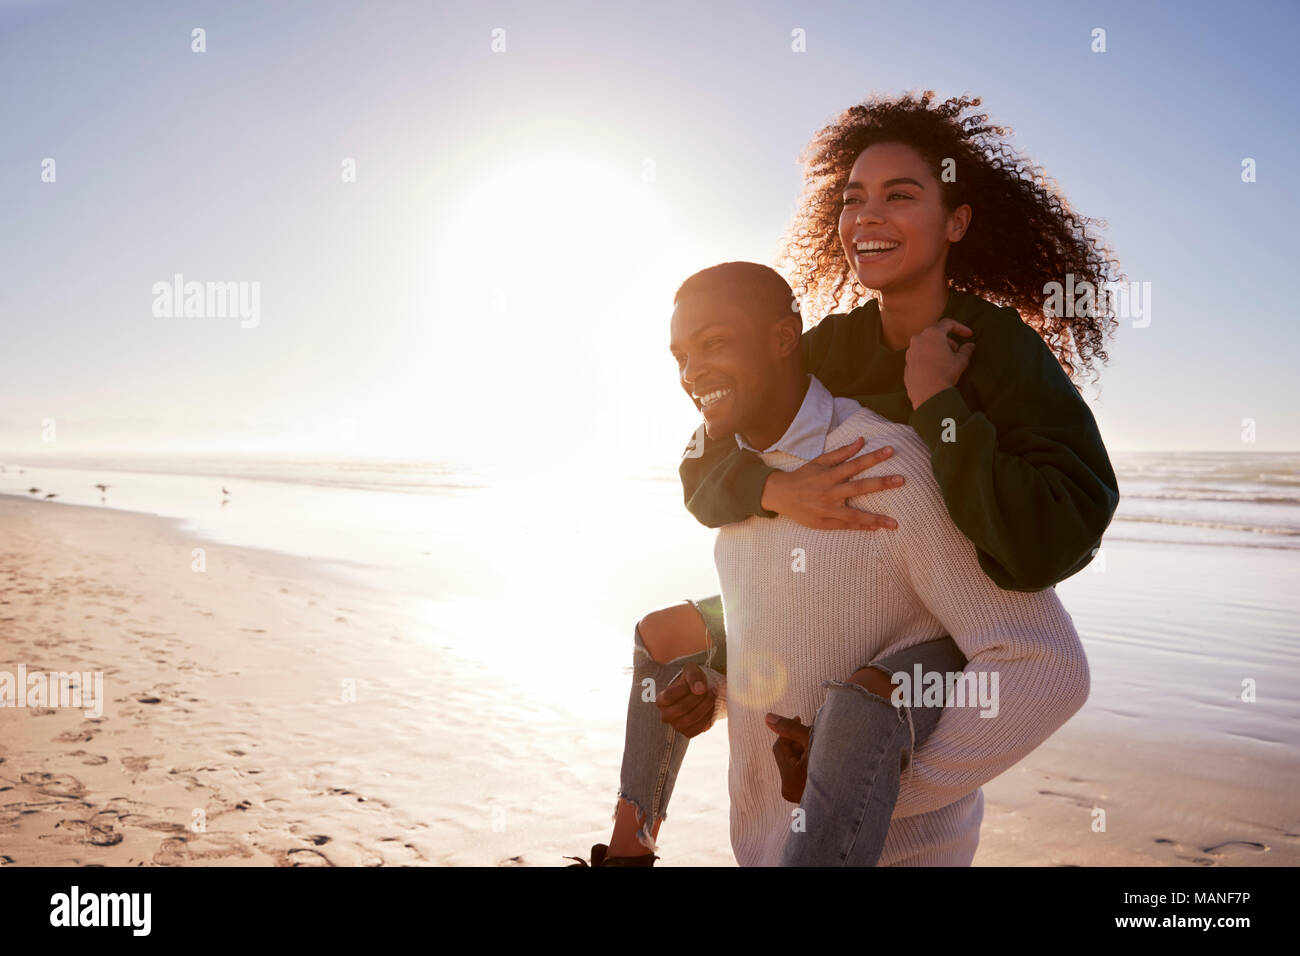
(857, 747)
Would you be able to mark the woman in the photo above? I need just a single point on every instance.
(977, 234)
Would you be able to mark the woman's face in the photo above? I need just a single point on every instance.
(893, 225)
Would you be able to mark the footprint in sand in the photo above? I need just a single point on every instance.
(1248, 844)
(172, 852)
(1077, 800)
(92, 760)
(303, 857)
(1213, 851)
(97, 831)
(348, 793)
(162, 826)
(398, 853)
(178, 851)
(54, 784)
(1174, 844)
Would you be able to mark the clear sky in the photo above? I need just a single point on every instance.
(497, 281)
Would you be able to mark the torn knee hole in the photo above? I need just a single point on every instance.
(865, 691)
(875, 679)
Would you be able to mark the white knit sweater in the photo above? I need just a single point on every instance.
(860, 596)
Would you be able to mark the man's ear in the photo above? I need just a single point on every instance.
(788, 332)
(959, 222)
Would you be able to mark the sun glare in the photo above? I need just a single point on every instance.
(549, 288)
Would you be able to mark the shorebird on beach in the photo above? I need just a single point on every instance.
(33, 491)
(102, 488)
(50, 495)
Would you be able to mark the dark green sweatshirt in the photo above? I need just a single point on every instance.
(1027, 477)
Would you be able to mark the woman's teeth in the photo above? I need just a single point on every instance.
(711, 397)
(876, 247)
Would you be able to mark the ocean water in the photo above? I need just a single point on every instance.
(542, 574)
(1229, 499)
(1243, 499)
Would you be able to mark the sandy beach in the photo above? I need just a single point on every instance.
(225, 694)
(274, 710)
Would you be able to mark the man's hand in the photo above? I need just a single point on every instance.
(814, 494)
(688, 702)
(934, 361)
(791, 753)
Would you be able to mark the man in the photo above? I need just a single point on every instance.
(808, 612)
(805, 608)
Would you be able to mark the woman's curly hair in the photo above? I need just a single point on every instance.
(1022, 235)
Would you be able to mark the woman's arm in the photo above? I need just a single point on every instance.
(1015, 449)
(815, 493)
(723, 483)
(1019, 459)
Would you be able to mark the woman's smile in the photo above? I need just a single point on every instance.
(873, 251)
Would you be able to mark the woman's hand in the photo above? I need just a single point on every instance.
(934, 361)
(814, 494)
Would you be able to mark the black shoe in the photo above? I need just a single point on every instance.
(599, 858)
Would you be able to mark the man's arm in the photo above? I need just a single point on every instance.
(1026, 478)
(1023, 647)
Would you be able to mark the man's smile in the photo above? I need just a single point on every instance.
(712, 398)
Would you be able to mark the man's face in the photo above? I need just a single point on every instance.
(723, 358)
